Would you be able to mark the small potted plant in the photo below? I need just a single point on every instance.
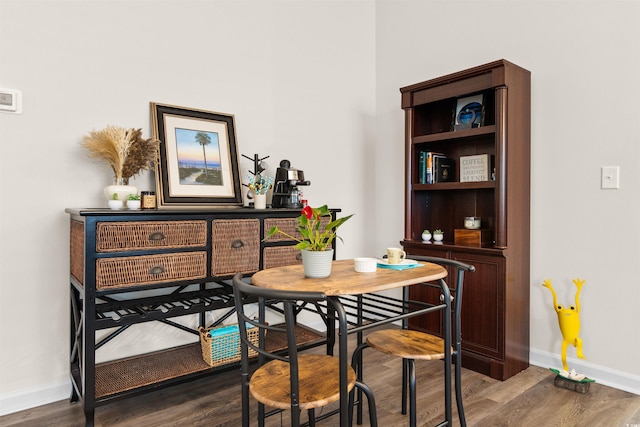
(133, 201)
(115, 203)
(426, 236)
(438, 235)
(316, 239)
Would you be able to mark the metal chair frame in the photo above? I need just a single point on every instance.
(408, 365)
(244, 292)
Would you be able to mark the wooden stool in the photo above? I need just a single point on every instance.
(410, 345)
(413, 345)
(288, 381)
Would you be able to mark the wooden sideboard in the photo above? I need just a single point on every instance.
(180, 260)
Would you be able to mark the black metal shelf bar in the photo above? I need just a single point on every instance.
(116, 313)
(111, 336)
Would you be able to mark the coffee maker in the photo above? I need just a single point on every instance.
(287, 181)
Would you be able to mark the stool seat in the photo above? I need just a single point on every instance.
(408, 344)
(319, 382)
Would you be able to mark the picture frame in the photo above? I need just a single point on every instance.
(198, 158)
(469, 112)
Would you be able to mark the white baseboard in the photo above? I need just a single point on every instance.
(602, 374)
(30, 398)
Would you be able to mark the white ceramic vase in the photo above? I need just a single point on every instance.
(317, 264)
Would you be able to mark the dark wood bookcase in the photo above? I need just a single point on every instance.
(495, 320)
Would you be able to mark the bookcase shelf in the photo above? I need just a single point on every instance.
(441, 186)
(454, 135)
(495, 326)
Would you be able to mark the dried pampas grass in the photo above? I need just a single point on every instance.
(125, 150)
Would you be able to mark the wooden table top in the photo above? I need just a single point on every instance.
(344, 280)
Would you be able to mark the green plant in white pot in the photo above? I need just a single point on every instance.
(438, 235)
(115, 203)
(316, 239)
(133, 201)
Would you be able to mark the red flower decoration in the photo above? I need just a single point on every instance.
(308, 212)
(316, 235)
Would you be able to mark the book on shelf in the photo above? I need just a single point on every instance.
(429, 167)
(444, 168)
(422, 168)
(426, 166)
(476, 168)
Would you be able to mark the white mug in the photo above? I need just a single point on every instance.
(395, 255)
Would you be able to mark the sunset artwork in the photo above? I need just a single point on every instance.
(198, 157)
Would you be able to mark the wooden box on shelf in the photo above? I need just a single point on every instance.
(475, 238)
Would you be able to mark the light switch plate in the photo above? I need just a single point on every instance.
(610, 177)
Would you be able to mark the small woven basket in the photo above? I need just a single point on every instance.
(221, 344)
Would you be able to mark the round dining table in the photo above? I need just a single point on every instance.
(345, 281)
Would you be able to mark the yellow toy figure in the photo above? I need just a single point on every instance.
(569, 321)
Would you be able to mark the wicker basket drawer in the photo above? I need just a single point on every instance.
(235, 246)
(141, 235)
(278, 256)
(287, 225)
(150, 269)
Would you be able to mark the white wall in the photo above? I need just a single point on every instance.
(316, 82)
(584, 59)
(299, 76)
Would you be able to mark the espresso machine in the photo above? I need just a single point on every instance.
(287, 181)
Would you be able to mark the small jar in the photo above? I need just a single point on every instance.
(148, 199)
(471, 222)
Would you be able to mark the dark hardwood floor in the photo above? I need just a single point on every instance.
(528, 399)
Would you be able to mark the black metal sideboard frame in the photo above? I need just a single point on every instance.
(93, 310)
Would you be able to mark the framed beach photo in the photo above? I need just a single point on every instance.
(198, 164)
